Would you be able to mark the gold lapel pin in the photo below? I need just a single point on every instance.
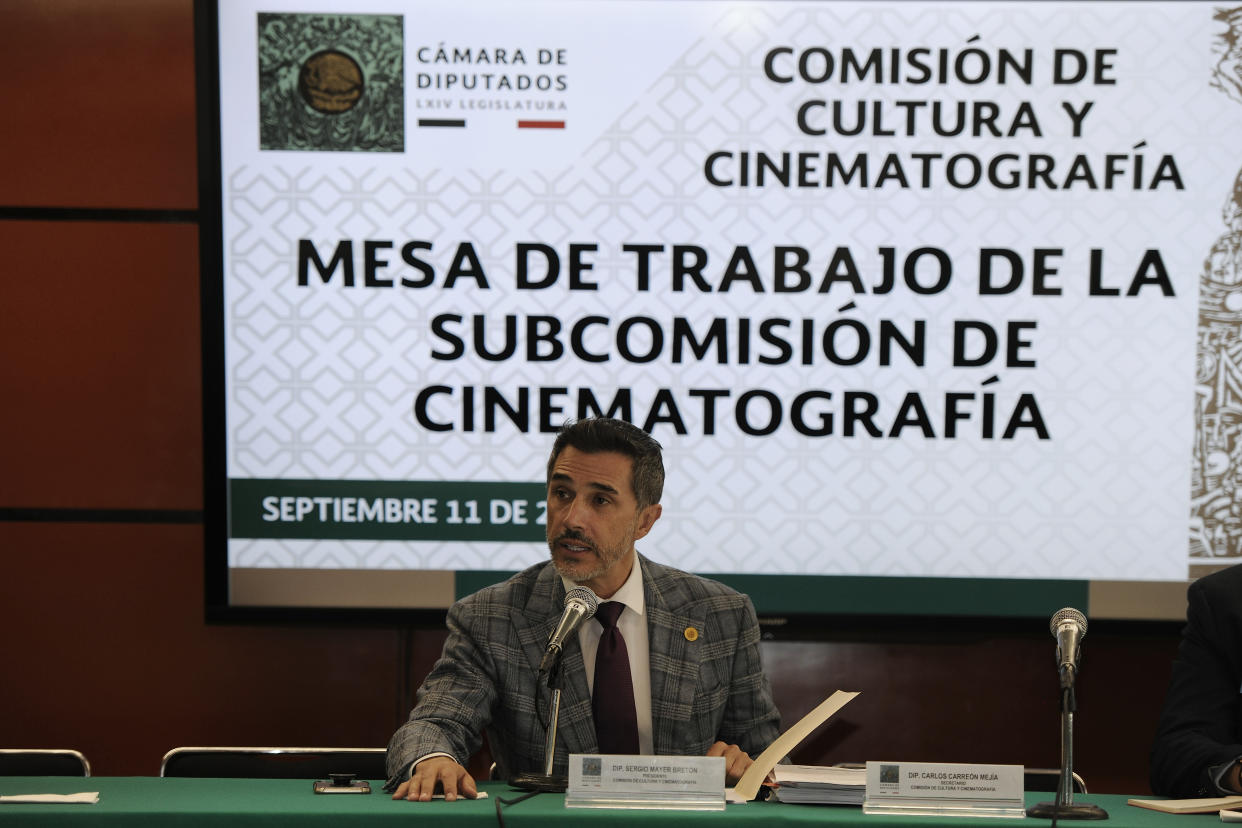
(692, 634)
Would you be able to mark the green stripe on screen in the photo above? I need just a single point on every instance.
(867, 595)
(870, 595)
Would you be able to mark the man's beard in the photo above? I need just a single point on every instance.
(606, 557)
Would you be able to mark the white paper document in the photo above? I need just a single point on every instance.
(748, 786)
(86, 798)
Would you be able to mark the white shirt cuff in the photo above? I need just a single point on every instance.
(428, 756)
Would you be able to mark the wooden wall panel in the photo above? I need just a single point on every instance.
(98, 103)
(980, 698)
(100, 328)
(111, 656)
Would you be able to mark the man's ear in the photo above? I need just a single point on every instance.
(646, 519)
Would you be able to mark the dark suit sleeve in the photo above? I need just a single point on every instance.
(454, 703)
(1199, 726)
(751, 720)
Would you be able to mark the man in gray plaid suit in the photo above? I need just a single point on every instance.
(699, 687)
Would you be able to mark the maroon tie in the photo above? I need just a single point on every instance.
(616, 725)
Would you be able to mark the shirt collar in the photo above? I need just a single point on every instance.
(630, 593)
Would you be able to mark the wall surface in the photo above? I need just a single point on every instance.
(101, 591)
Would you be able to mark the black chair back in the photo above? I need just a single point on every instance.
(274, 762)
(35, 762)
(1047, 779)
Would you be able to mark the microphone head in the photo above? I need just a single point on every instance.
(1070, 615)
(584, 596)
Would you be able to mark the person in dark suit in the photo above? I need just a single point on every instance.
(1198, 744)
(694, 643)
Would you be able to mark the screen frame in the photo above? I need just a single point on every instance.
(883, 606)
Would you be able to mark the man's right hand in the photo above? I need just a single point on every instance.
(438, 772)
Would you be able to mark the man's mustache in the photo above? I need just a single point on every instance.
(574, 535)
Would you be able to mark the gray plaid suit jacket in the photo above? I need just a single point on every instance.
(709, 689)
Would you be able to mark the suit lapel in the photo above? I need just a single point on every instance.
(674, 658)
(576, 727)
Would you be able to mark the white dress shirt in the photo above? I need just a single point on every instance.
(633, 626)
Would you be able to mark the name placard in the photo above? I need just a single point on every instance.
(692, 783)
(933, 789)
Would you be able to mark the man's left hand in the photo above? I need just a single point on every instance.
(736, 761)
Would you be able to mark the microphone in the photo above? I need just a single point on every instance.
(580, 605)
(1069, 628)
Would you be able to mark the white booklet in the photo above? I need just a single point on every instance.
(748, 786)
(821, 785)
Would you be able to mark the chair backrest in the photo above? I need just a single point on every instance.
(1047, 779)
(274, 762)
(35, 762)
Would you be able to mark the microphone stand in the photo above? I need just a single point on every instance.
(547, 782)
(1063, 806)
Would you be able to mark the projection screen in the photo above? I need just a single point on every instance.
(934, 307)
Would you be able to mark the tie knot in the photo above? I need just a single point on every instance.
(609, 612)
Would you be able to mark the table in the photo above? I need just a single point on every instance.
(139, 801)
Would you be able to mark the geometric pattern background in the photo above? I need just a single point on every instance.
(1216, 499)
(322, 378)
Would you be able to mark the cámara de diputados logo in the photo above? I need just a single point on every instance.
(331, 82)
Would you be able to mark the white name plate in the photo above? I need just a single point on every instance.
(932, 789)
(693, 783)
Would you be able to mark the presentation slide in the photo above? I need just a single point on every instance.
(905, 290)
